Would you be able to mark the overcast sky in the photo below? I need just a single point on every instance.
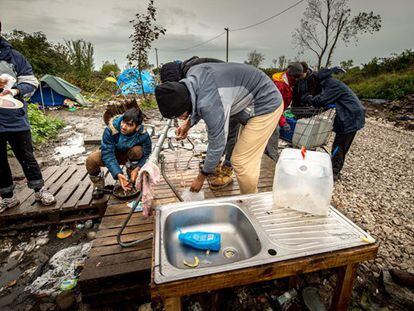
(189, 22)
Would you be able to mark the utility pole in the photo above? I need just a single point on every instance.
(156, 56)
(227, 44)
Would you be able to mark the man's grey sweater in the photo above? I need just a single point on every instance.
(222, 90)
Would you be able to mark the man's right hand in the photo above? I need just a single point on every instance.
(124, 182)
(182, 130)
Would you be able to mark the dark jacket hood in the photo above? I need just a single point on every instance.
(324, 74)
(195, 60)
(5, 49)
(328, 72)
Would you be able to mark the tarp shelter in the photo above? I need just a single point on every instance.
(54, 90)
(128, 82)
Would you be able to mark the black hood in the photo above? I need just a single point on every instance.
(171, 72)
(5, 50)
(328, 72)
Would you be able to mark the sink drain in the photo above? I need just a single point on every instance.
(230, 252)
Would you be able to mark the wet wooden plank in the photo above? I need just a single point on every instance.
(126, 237)
(79, 192)
(116, 269)
(28, 207)
(129, 229)
(69, 187)
(110, 250)
(117, 221)
(25, 193)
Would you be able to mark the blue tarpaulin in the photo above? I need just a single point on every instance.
(128, 82)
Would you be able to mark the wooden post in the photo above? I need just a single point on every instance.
(227, 44)
(343, 291)
(172, 304)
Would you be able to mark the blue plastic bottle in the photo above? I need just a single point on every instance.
(201, 240)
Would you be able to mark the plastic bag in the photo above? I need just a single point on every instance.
(62, 267)
(189, 196)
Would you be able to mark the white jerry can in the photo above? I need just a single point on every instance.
(303, 183)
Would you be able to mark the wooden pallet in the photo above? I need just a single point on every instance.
(73, 192)
(125, 272)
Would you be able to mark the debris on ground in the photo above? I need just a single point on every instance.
(62, 267)
(64, 232)
(402, 295)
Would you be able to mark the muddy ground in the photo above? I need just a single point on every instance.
(376, 192)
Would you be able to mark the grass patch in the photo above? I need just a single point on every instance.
(387, 86)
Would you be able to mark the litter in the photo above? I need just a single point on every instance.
(138, 208)
(63, 266)
(192, 265)
(11, 284)
(189, 196)
(42, 241)
(88, 224)
(80, 226)
(68, 284)
(29, 247)
(64, 233)
(367, 239)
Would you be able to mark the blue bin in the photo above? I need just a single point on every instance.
(287, 135)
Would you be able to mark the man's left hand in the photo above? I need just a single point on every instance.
(197, 183)
(134, 174)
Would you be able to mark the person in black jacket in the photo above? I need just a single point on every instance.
(350, 114)
(308, 84)
(17, 80)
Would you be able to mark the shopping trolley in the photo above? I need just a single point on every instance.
(309, 127)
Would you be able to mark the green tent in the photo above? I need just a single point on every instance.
(54, 90)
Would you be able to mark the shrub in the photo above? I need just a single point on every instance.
(43, 127)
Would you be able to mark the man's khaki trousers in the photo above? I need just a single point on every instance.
(248, 152)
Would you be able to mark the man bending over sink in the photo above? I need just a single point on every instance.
(215, 92)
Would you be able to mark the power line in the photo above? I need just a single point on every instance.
(239, 29)
(269, 18)
(201, 43)
(197, 45)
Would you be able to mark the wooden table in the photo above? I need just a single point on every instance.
(344, 261)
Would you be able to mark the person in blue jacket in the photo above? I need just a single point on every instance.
(15, 128)
(124, 142)
(350, 114)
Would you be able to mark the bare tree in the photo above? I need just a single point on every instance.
(282, 62)
(274, 62)
(325, 22)
(254, 58)
(145, 32)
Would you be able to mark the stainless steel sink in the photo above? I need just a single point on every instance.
(239, 240)
(254, 231)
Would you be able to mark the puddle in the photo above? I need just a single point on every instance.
(73, 146)
(9, 272)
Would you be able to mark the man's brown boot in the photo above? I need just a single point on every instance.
(227, 170)
(219, 179)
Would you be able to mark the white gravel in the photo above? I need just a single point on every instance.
(377, 192)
